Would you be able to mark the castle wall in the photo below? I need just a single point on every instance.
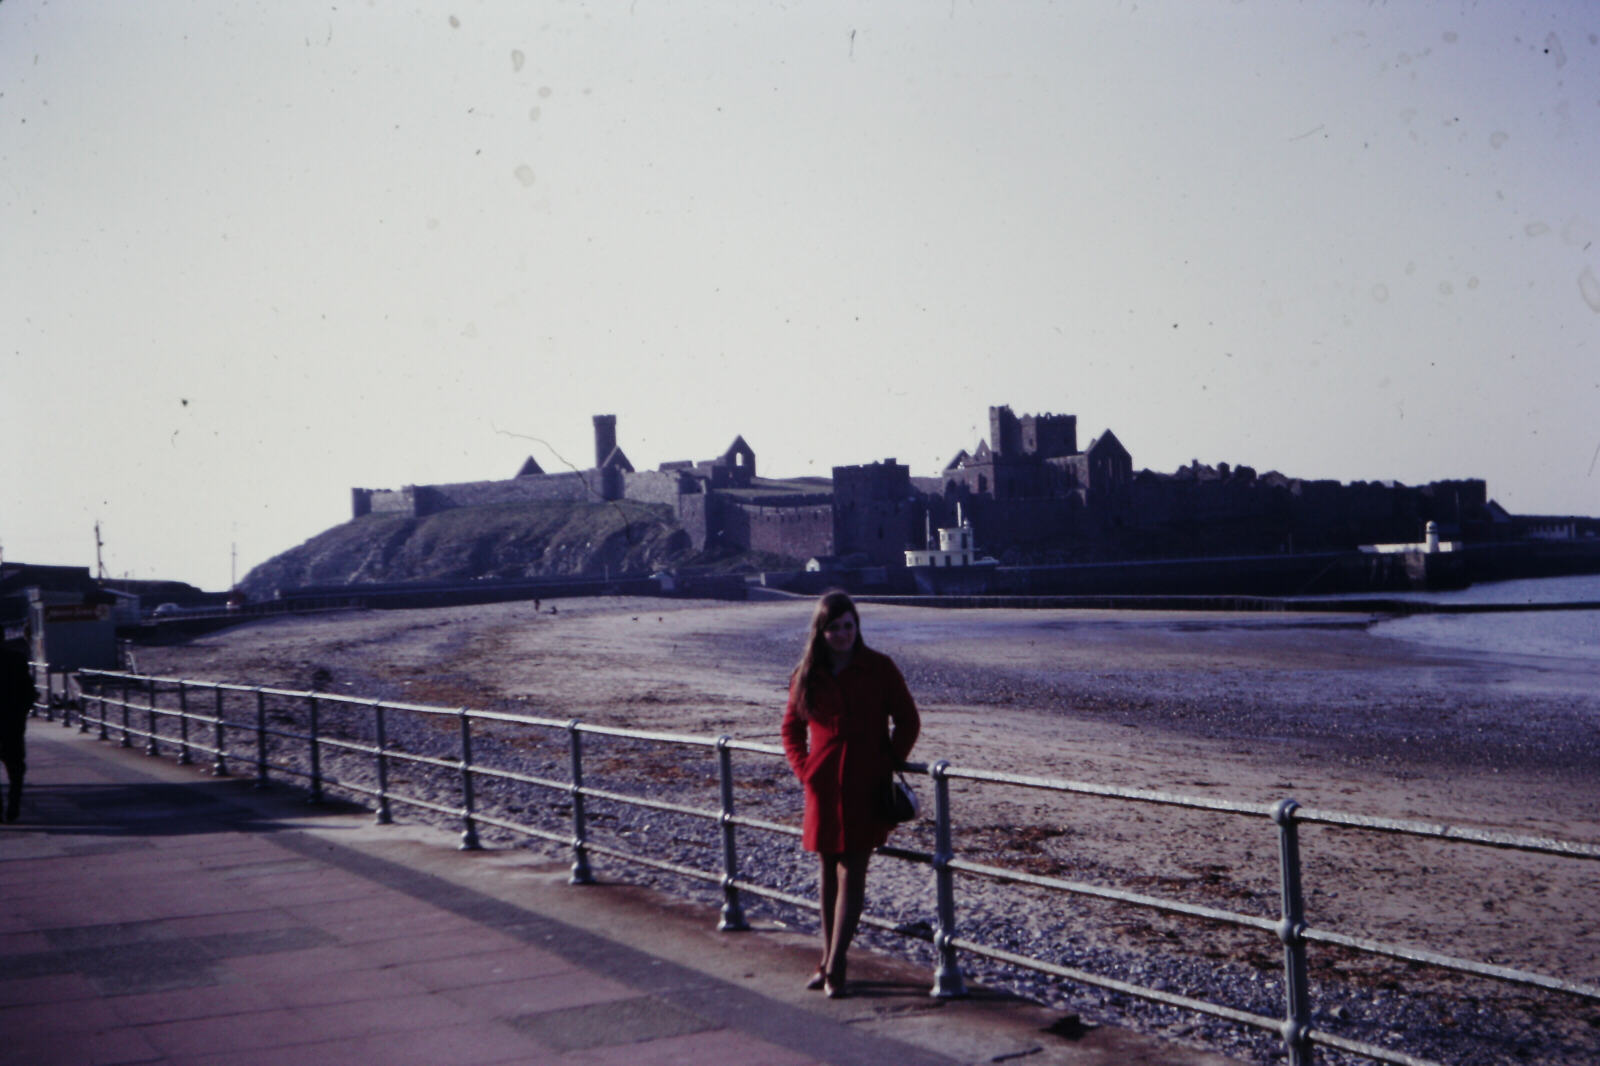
(694, 515)
(1029, 524)
(795, 532)
(391, 501)
(876, 512)
(569, 486)
(419, 500)
(1001, 477)
(1224, 515)
(652, 486)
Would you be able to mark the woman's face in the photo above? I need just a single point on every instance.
(840, 634)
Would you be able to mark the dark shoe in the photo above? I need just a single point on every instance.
(834, 989)
(815, 982)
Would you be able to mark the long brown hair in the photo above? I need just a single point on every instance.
(814, 660)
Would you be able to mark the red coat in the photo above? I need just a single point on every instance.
(844, 748)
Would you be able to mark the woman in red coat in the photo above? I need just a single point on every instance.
(849, 722)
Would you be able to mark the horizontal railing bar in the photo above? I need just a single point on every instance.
(349, 786)
(922, 858)
(653, 804)
(522, 779)
(343, 745)
(357, 701)
(519, 719)
(754, 746)
(1444, 831)
(425, 760)
(761, 823)
(280, 734)
(415, 801)
(775, 893)
(1450, 962)
(524, 829)
(1201, 1006)
(1371, 1051)
(659, 864)
(1138, 795)
(1079, 888)
(640, 734)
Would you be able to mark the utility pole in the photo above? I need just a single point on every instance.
(233, 568)
(99, 559)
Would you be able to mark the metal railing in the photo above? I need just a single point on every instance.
(349, 743)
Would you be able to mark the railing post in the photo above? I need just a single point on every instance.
(469, 830)
(83, 705)
(220, 767)
(66, 701)
(151, 747)
(1292, 931)
(581, 874)
(261, 738)
(127, 698)
(49, 694)
(733, 920)
(316, 750)
(183, 723)
(947, 981)
(100, 694)
(384, 815)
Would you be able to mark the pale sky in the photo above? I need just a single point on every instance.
(255, 254)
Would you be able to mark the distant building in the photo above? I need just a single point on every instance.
(954, 547)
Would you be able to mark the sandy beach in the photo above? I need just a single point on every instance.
(1244, 707)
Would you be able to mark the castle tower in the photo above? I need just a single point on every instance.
(1005, 433)
(605, 438)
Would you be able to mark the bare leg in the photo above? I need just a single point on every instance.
(848, 905)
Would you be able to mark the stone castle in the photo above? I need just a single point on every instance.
(1029, 492)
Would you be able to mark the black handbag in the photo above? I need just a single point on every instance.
(897, 803)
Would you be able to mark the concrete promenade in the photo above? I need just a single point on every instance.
(150, 913)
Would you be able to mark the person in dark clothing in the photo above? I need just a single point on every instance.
(17, 694)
